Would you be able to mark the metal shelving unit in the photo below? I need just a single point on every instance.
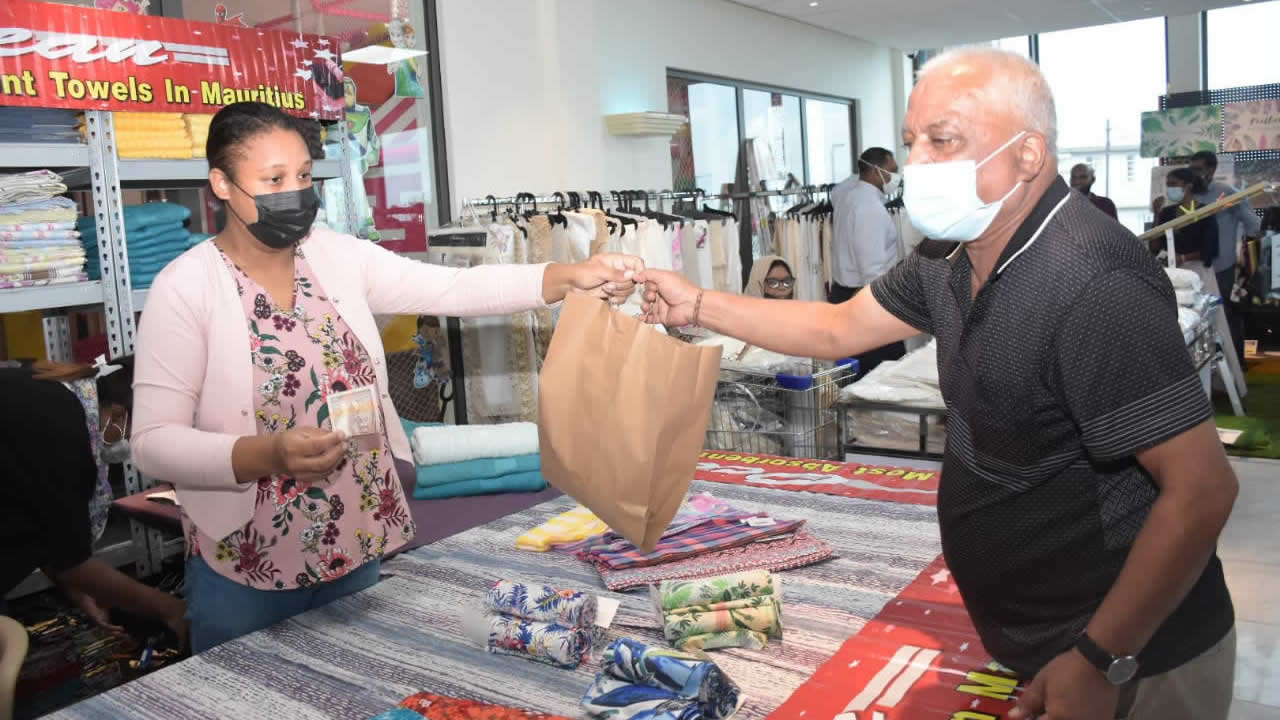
(96, 166)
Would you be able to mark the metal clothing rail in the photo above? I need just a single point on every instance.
(616, 197)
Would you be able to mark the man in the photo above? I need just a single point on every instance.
(1205, 164)
(1083, 493)
(866, 242)
(1082, 179)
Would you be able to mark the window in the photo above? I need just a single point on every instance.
(705, 152)
(1020, 44)
(800, 139)
(1241, 45)
(1100, 96)
(830, 145)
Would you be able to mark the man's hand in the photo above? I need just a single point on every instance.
(1157, 205)
(95, 612)
(1068, 688)
(607, 277)
(669, 299)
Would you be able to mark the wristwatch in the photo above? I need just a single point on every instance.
(1117, 670)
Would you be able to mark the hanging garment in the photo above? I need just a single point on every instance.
(696, 247)
(600, 243)
(541, 250)
(733, 243)
(1210, 283)
(582, 235)
(487, 343)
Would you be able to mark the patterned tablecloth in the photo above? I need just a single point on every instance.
(363, 654)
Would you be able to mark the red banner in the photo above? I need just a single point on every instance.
(919, 658)
(869, 482)
(62, 56)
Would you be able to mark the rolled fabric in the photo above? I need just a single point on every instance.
(520, 482)
(637, 681)
(478, 469)
(674, 594)
(438, 444)
(748, 623)
(549, 643)
(543, 604)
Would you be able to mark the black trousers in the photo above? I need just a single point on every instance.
(867, 361)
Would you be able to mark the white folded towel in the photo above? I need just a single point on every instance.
(1184, 279)
(438, 444)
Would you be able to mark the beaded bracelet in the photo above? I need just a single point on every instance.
(697, 307)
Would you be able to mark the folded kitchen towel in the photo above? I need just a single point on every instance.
(454, 443)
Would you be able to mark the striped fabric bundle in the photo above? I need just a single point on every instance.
(38, 242)
(573, 526)
(198, 130)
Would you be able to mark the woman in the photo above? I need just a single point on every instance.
(1197, 242)
(244, 338)
(63, 425)
(771, 278)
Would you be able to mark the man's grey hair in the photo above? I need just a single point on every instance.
(1017, 82)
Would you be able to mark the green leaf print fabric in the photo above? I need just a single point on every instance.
(742, 610)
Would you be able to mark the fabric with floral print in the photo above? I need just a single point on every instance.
(741, 610)
(439, 707)
(306, 533)
(558, 645)
(543, 604)
(638, 682)
(86, 391)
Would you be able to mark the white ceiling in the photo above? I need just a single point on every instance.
(914, 24)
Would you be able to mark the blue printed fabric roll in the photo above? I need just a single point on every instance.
(637, 682)
(478, 469)
(558, 645)
(543, 604)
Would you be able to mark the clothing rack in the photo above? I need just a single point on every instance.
(618, 197)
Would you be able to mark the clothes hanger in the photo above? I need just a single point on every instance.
(558, 217)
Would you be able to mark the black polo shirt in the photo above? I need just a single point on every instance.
(1067, 363)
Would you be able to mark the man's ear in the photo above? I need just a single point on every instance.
(1032, 154)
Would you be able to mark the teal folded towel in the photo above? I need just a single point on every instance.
(520, 482)
(479, 469)
(140, 217)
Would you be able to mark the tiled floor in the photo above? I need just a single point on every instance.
(1250, 550)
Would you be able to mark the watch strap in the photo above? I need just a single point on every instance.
(1092, 652)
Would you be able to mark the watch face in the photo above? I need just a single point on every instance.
(1122, 670)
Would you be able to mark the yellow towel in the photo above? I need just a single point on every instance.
(157, 154)
(577, 524)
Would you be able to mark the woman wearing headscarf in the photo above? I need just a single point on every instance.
(771, 277)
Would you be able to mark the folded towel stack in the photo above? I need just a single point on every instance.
(38, 241)
(151, 135)
(198, 130)
(742, 610)
(458, 460)
(540, 623)
(38, 125)
(155, 234)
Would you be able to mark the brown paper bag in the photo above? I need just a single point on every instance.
(622, 415)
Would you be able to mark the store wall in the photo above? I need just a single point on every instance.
(527, 83)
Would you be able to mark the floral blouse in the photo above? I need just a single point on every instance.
(302, 533)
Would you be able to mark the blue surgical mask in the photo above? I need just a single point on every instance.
(942, 198)
(1175, 194)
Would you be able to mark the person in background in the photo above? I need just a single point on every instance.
(1082, 179)
(1195, 245)
(1230, 222)
(62, 425)
(771, 278)
(866, 243)
(1082, 493)
(245, 339)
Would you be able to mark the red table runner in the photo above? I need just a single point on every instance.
(919, 658)
(858, 480)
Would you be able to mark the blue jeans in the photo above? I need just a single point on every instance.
(221, 609)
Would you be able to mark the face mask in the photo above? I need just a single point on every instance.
(892, 180)
(284, 218)
(942, 198)
(1175, 194)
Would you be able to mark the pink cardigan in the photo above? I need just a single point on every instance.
(193, 394)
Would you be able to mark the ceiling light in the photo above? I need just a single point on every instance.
(380, 55)
(814, 4)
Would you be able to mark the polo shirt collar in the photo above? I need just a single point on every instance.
(1054, 197)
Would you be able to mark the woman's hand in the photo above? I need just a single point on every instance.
(606, 277)
(308, 454)
(669, 299)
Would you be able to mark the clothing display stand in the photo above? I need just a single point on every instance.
(95, 166)
(1167, 230)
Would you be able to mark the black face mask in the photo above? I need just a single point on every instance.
(284, 218)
